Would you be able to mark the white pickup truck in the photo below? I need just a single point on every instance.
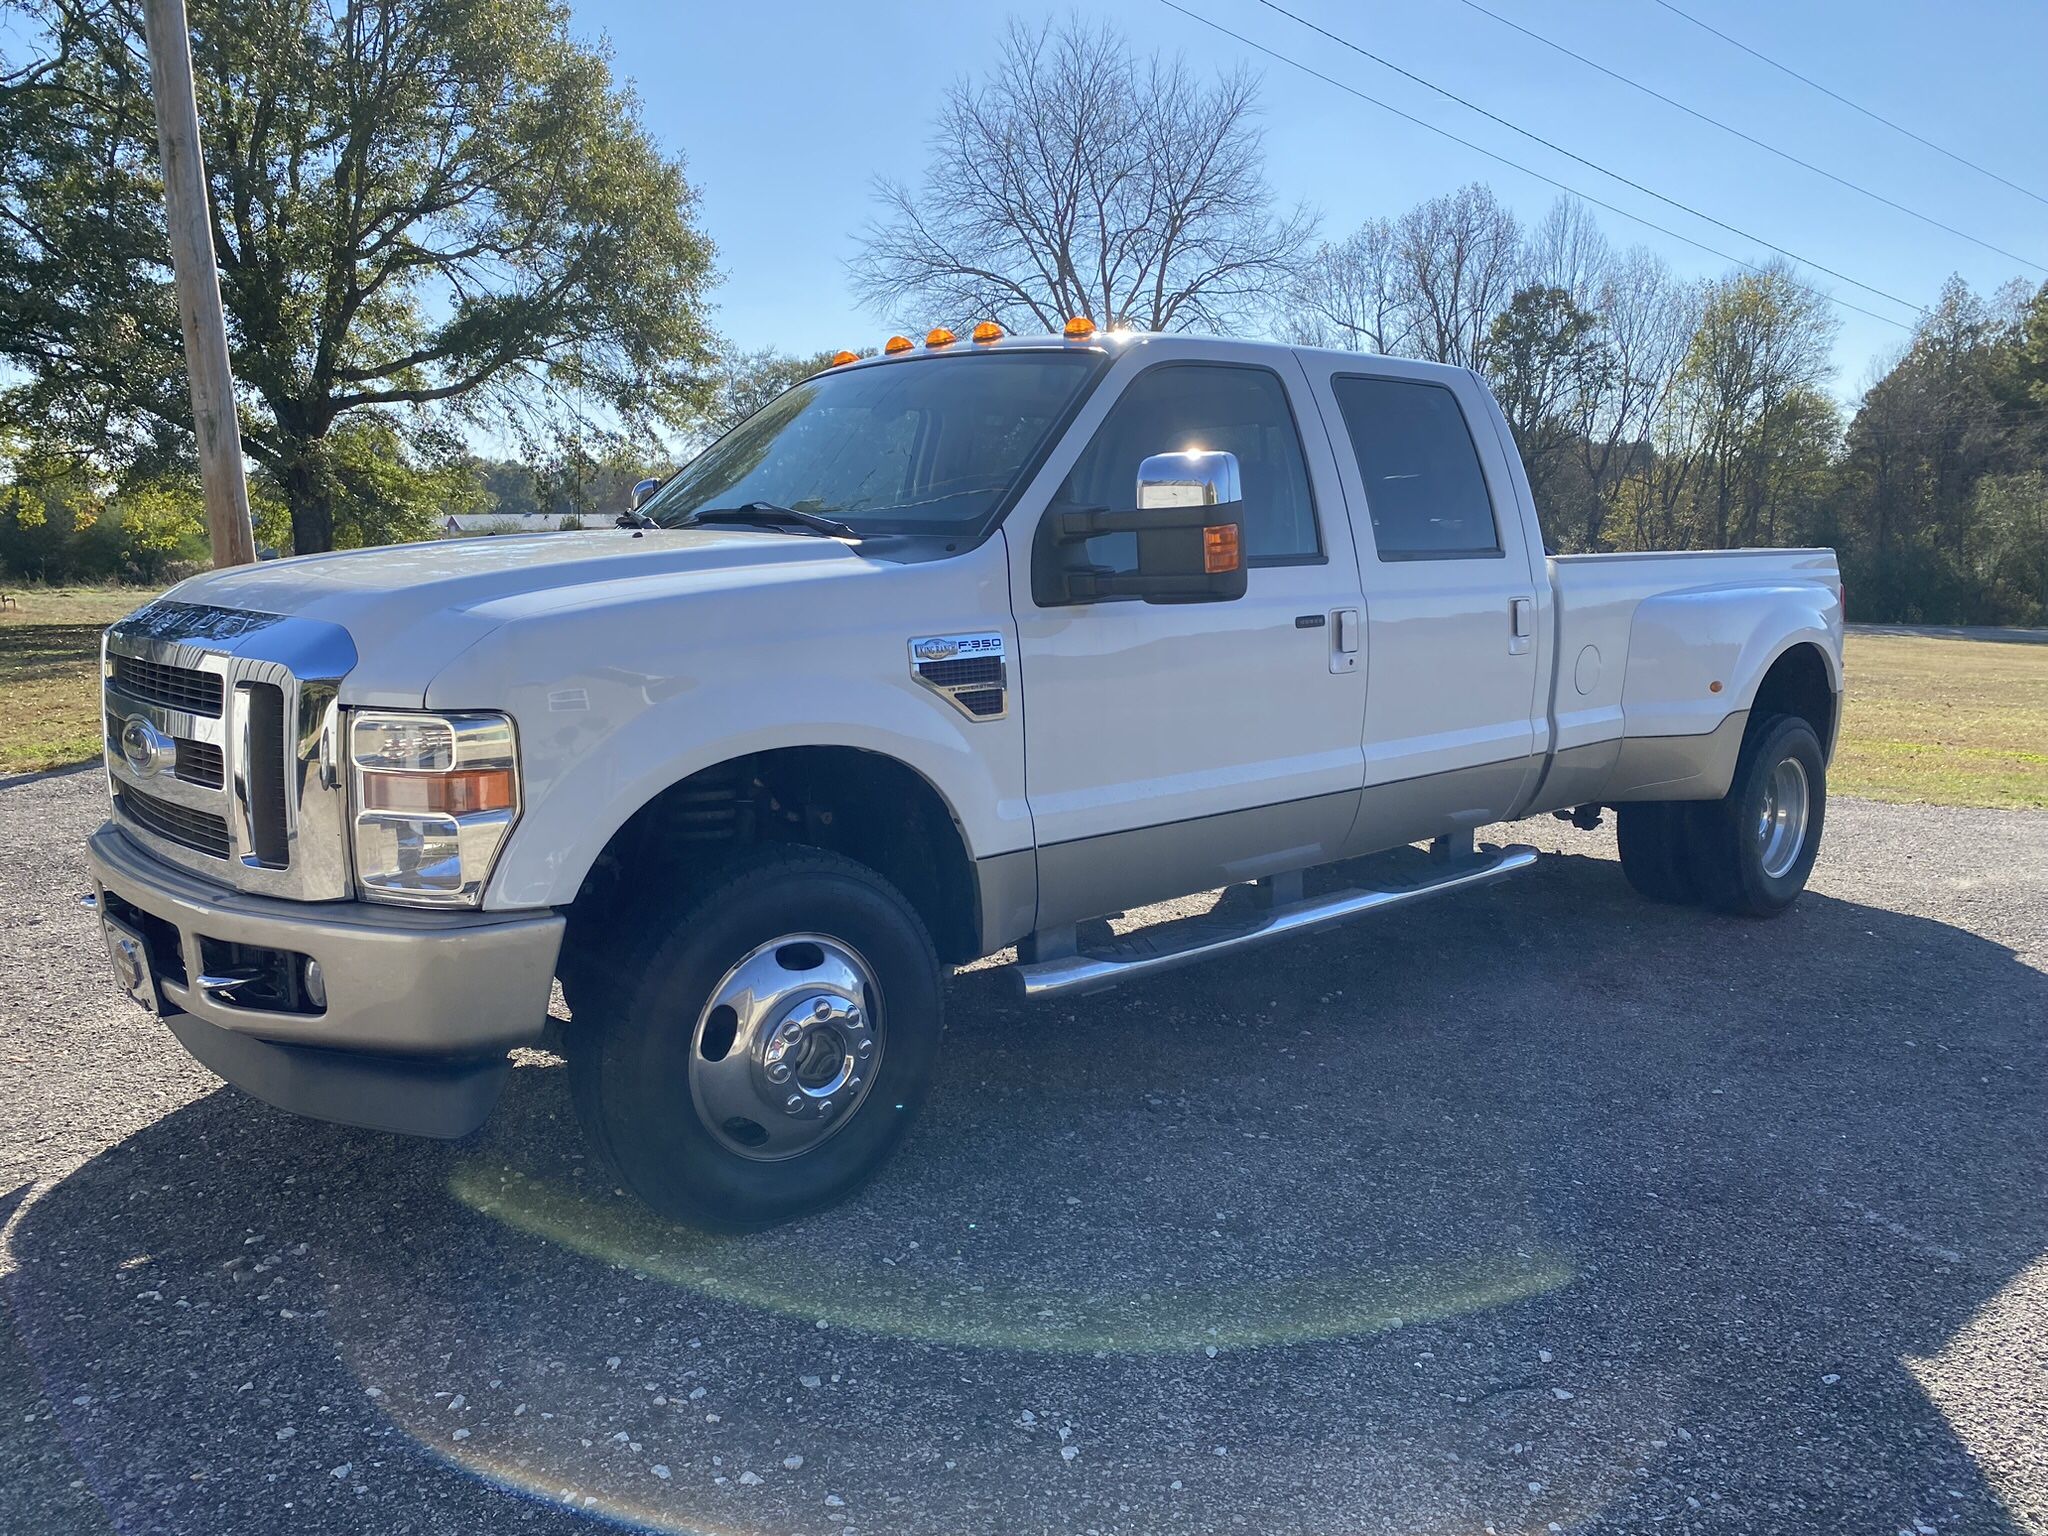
(955, 648)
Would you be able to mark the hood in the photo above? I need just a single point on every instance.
(411, 608)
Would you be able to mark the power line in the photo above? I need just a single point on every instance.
(1516, 165)
(1750, 138)
(1556, 148)
(1876, 117)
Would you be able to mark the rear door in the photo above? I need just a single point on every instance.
(1450, 590)
(1169, 747)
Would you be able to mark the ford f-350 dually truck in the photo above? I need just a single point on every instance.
(954, 648)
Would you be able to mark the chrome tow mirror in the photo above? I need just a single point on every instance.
(1198, 478)
(1188, 520)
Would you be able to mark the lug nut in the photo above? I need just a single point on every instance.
(821, 1007)
(794, 1104)
(778, 1071)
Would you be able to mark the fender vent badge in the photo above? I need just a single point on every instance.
(971, 672)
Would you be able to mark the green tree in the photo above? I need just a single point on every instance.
(1921, 538)
(743, 382)
(2011, 517)
(1753, 378)
(1546, 360)
(425, 212)
(379, 484)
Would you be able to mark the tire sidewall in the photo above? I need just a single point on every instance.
(655, 1137)
(1783, 738)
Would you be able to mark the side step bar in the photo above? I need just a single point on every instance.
(1147, 952)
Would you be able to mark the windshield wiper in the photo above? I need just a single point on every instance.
(766, 514)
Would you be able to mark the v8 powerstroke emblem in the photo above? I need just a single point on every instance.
(969, 671)
(145, 748)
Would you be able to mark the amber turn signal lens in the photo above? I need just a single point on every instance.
(1219, 549)
(841, 359)
(988, 330)
(939, 336)
(897, 344)
(442, 794)
(1080, 326)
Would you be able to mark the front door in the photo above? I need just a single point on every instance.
(1173, 747)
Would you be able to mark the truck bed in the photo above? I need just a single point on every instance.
(1655, 655)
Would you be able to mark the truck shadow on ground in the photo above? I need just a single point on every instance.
(1540, 1206)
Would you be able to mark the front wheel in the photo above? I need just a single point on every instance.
(1754, 848)
(762, 1049)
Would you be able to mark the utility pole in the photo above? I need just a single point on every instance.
(190, 227)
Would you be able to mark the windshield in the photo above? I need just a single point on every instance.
(934, 445)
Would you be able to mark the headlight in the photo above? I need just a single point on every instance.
(435, 796)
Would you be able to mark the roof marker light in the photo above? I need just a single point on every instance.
(897, 344)
(1079, 328)
(988, 331)
(939, 336)
(841, 359)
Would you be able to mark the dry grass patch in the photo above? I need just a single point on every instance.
(1944, 722)
(49, 673)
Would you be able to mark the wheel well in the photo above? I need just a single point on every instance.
(1797, 684)
(868, 807)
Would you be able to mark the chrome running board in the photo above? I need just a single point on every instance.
(1146, 951)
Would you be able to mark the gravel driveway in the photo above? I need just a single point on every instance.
(1541, 1209)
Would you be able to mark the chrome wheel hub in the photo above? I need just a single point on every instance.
(1781, 823)
(787, 1047)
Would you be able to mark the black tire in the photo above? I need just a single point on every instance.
(630, 1061)
(1730, 854)
(1656, 850)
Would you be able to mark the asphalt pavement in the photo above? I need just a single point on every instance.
(1537, 1209)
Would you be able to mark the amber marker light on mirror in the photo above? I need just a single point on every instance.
(939, 336)
(841, 359)
(1219, 549)
(988, 331)
(1079, 328)
(897, 344)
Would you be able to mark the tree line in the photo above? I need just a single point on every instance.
(441, 221)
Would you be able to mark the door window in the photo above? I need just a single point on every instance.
(1423, 484)
(1176, 407)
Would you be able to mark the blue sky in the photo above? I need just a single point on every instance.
(786, 110)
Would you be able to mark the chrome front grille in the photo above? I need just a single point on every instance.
(179, 823)
(222, 750)
(190, 689)
(201, 762)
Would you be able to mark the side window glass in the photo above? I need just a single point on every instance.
(1179, 406)
(1423, 484)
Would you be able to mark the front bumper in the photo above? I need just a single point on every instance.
(421, 1006)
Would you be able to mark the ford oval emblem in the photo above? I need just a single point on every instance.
(145, 748)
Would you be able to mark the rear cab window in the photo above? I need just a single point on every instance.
(1424, 486)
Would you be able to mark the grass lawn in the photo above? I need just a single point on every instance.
(1951, 722)
(1944, 722)
(50, 672)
